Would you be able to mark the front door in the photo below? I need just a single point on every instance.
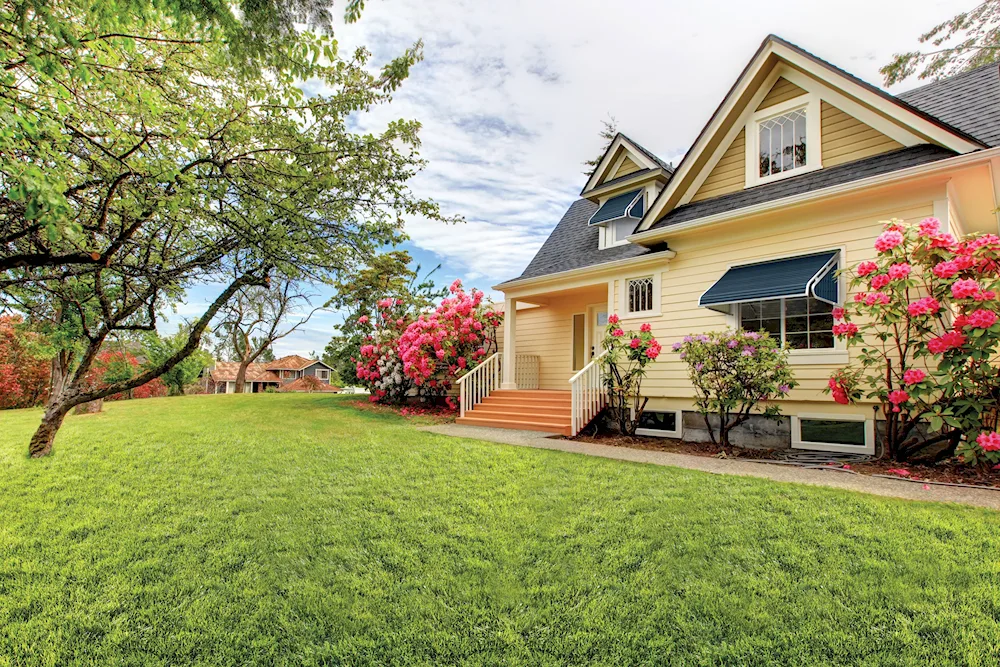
(598, 320)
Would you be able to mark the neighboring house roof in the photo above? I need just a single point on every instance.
(225, 371)
(573, 244)
(969, 101)
(292, 362)
(814, 180)
(302, 384)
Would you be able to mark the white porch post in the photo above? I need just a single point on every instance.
(509, 344)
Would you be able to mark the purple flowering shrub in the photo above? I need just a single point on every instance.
(735, 374)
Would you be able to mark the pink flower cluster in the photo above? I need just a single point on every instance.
(897, 398)
(888, 240)
(914, 376)
(838, 390)
(948, 341)
(454, 336)
(990, 442)
(847, 329)
(926, 306)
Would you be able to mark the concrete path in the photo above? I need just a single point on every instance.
(781, 473)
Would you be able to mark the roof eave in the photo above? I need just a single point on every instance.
(583, 270)
(652, 236)
(627, 183)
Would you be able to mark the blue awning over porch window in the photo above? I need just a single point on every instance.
(629, 204)
(806, 275)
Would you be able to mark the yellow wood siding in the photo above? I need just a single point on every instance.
(702, 258)
(781, 91)
(627, 167)
(845, 138)
(729, 175)
(548, 332)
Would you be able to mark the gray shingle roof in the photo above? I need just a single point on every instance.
(969, 101)
(573, 245)
(815, 180)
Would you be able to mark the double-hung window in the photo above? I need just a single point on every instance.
(802, 323)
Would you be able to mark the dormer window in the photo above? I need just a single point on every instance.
(782, 143)
(783, 140)
(618, 217)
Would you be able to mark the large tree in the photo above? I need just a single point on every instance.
(258, 317)
(160, 164)
(965, 41)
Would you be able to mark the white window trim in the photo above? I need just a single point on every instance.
(623, 311)
(799, 443)
(812, 104)
(837, 354)
(325, 374)
(657, 433)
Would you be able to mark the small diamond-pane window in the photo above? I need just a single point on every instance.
(640, 294)
(783, 143)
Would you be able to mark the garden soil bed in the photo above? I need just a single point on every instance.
(944, 473)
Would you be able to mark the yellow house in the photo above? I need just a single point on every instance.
(787, 182)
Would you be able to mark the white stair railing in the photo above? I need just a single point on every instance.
(478, 383)
(588, 393)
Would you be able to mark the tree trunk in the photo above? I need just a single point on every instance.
(60, 370)
(241, 377)
(41, 442)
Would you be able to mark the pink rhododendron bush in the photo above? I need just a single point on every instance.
(625, 360)
(735, 374)
(427, 352)
(926, 325)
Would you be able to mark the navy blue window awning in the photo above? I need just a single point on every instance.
(629, 204)
(807, 275)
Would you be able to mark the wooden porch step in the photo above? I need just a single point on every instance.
(533, 393)
(512, 401)
(523, 425)
(559, 418)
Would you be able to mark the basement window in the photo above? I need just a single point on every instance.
(660, 424)
(834, 433)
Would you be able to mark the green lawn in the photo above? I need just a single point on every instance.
(289, 529)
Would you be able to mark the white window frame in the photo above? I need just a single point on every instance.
(812, 105)
(799, 443)
(657, 433)
(623, 311)
(838, 344)
(325, 374)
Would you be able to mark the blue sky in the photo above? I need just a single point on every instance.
(511, 97)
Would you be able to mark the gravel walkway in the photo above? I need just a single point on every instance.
(834, 478)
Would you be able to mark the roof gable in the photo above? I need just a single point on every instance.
(624, 159)
(774, 76)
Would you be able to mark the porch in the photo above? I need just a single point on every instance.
(554, 384)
